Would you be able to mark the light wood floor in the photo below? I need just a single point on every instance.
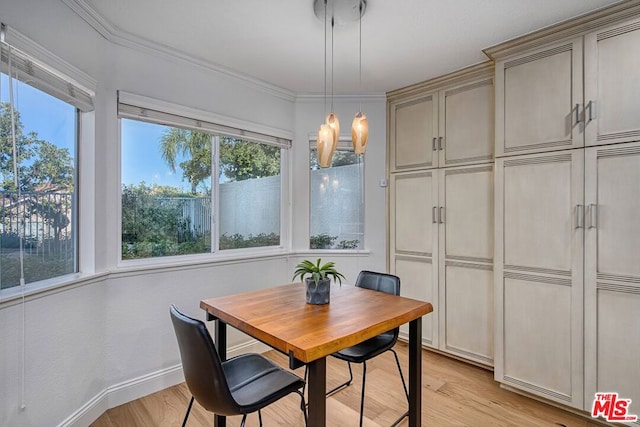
(454, 394)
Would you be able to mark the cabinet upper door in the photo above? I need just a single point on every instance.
(466, 124)
(413, 133)
(612, 84)
(539, 100)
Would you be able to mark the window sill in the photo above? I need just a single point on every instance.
(230, 256)
(31, 291)
(343, 252)
(13, 296)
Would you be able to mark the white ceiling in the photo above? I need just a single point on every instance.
(281, 42)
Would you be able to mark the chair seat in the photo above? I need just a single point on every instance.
(367, 349)
(256, 382)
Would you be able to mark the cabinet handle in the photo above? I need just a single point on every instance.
(433, 214)
(579, 216)
(440, 145)
(592, 110)
(441, 216)
(592, 214)
(577, 114)
(433, 144)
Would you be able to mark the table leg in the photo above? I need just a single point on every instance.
(221, 345)
(415, 372)
(317, 384)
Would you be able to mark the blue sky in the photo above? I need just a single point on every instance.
(141, 159)
(54, 121)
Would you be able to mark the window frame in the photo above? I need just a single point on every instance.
(344, 144)
(151, 110)
(54, 76)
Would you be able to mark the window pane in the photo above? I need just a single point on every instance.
(41, 217)
(249, 194)
(166, 190)
(337, 204)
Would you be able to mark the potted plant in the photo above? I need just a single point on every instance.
(319, 284)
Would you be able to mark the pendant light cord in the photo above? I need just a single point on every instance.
(325, 56)
(332, 24)
(360, 55)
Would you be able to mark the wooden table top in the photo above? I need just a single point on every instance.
(281, 318)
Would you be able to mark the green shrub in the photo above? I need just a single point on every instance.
(322, 241)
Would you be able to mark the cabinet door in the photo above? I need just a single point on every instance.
(466, 124)
(539, 274)
(539, 100)
(414, 239)
(413, 133)
(612, 84)
(466, 262)
(612, 272)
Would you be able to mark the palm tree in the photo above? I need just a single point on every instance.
(196, 146)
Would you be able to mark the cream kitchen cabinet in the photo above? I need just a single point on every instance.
(441, 206)
(612, 84)
(413, 242)
(612, 272)
(578, 91)
(465, 255)
(442, 250)
(444, 122)
(539, 223)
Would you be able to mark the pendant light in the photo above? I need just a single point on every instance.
(360, 125)
(327, 137)
(332, 118)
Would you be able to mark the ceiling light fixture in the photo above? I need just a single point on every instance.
(360, 124)
(329, 132)
(326, 134)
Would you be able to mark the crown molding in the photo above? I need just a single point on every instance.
(479, 71)
(570, 28)
(314, 98)
(122, 38)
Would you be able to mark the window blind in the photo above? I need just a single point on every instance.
(154, 116)
(32, 73)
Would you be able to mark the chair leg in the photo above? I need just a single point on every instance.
(303, 405)
(336, 388)
(364, 379)
(244, 418)
(404, 384)
(260, 417)
(344, 384)
(184, 423)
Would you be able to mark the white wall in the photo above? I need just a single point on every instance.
(102, 341)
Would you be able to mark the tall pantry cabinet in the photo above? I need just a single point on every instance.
(567, 192)
(441, 206)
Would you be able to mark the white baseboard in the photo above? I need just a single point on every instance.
(136, 388)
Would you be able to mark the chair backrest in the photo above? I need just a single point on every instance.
(381, 282)
(201, 364)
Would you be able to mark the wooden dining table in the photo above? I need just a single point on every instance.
(280, 317)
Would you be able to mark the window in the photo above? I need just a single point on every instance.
(38, 196)
(336, 200)
(176, 180)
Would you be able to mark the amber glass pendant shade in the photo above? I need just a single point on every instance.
(359, 133)
(326, 147)
(332, 120)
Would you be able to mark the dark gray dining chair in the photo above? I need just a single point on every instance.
(377, 345)
(238, 386)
